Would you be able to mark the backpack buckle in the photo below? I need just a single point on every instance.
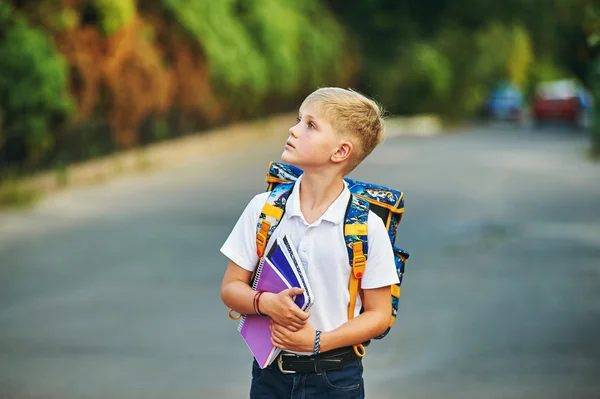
(261, 238)
(359, 260)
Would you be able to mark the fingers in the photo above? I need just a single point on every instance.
(278, 343)
(294, 327)
(284, 298)
(294, 291)
(292, 318)
(301, 315)
(290, 312)
(285, 311)
(287, 328)
(298, 313)
(277, 334)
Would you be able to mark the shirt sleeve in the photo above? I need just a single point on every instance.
(381, 267)
(240, 246)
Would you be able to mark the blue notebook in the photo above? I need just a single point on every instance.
(285, 258)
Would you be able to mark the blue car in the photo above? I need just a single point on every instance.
(505, 102)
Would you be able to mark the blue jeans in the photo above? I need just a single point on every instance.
(346, 382)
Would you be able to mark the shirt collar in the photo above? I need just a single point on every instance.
(334, 214)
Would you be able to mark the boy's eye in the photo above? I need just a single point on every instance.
(311, 125)
(298, 120)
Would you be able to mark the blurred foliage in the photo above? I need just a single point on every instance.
(14, 195)
(591, 23)
(520, 56)
(595, 86)
(451, 72)
(114, 14)
(591, 26)
(436, 56)
(259, 47)
(146, 70)
(122, 76)
(232, 55)
(545, 70)
(33, 86)
(155, 68)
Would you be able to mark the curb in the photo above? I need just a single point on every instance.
(160, 155)
(418, 125)
(181, 150)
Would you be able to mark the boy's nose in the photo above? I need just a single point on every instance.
(292, 132)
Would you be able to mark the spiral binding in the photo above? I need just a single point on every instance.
(259, 269)
(291, 252)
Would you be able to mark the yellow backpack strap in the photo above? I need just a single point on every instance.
(271, 215)
(269, 219)
(356, 236)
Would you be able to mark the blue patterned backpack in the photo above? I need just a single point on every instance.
(386, 203)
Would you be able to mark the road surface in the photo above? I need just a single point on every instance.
(112, 291)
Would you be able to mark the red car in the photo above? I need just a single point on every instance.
(559, 101)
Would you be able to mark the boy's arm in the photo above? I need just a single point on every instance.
(371, 323)
(236, 292)
(240, 249)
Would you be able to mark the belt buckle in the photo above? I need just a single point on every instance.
(280, 363)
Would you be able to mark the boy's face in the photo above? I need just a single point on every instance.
(313, 142)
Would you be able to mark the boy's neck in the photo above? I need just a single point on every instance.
(317, 192)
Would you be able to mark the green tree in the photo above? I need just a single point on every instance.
(114, 14)
(591, 27)
(477, 41)
(33, 85)
(260, 48)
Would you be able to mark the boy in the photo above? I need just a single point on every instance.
(336, 129)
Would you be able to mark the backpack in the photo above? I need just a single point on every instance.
(385, 202)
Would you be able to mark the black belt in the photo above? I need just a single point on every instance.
(331, 360)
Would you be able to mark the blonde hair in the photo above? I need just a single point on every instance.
(351, 114)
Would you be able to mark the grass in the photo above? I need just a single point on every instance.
(142, 161)
(14, 194)
(594, 153)
(118, 165)
(62, 175)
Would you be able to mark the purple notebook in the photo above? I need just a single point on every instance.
(253, 328)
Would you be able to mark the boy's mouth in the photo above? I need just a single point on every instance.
(290, 145)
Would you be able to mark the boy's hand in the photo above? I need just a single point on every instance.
(302, 340)
(283, 310)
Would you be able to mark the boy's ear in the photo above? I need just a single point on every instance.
(343, 152)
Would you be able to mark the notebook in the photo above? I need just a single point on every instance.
(286, 259)
(253, 328)
(279, 270)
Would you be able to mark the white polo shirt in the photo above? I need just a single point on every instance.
(322, 250)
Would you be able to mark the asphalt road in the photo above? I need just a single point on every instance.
(113, 291)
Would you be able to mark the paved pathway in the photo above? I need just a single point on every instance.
(113, 291)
